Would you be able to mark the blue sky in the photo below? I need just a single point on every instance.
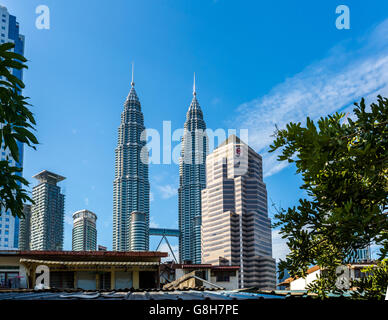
(257, 64)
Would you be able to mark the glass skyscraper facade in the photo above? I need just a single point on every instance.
(131, 188)
(192, 180)
(9, 225)
(138, 239)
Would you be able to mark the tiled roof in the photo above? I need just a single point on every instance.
(88, 263)
(191, 266)
(225, 268)
(288, 280)
(85, 254)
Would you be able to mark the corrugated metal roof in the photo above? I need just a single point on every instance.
(135, 295)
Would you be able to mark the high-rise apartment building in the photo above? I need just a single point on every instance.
(47, 212)
(131, 188)
(84, 231)
(359, 255)
(25, 228)
(236, 229)
(192, 180)
(9, 225)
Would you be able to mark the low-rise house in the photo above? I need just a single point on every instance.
(195, 275)
(349, 273)
(82, 269)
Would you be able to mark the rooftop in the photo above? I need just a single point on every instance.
(315, 268)
(199, 293)
(48, 176)
(233, 139)
(84, 255)
(200, 266)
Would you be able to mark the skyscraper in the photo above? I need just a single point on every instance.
(359, 255)
(138, 231)
(9, 225)
(131, 188)
(236, 229)
(84, 231)
(47, 213)
(25, 229)
(192, 180)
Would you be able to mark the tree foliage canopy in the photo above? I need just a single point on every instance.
(375, 283)
(344, 169)
(16, 125)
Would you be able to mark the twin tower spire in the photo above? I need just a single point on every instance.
(133, 69)
(133, 83)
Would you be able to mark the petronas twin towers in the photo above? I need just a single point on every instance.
(192, 179)
(131, 188)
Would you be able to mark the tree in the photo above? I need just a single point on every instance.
(375, 283)
(16, 125)
(344, 170)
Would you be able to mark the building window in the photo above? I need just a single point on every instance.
(223, 277)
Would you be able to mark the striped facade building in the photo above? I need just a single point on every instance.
(236, 229)
(138, 231)
(84, 233)
(192, 181)
(131, 188)
(25, 228)
(47, 213)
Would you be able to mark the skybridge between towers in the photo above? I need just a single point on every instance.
(164, 233)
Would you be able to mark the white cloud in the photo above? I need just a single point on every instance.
(215, 101)
(375, 251)
(153, 224)
(69, 218)
(329, 85)
(167, 191)
(279, 246)
(86, 200)
(152, 197)
(164, 248)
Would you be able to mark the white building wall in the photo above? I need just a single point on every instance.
(231, 285)
(302, 283)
